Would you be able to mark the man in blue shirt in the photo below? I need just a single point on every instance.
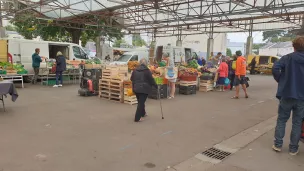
(289, 73)
(36, 60)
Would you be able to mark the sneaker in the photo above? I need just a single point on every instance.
(294, 153)
(55, 86)
(60, 85)
(276, 148)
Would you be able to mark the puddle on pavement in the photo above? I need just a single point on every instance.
(150, 165)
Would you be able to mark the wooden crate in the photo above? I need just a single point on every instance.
(123, 68)
(114, 73)
(92, 66)
(206, 85)
(187, 83)
(206, 81)
(111, 89)
(205, 89)
(129, 99)
(11, 72)
(127, 84)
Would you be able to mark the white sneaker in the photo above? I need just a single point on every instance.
(60, 85)
(55, 86)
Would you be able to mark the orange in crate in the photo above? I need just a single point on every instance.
(165, 81)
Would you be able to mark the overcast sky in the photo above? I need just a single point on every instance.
(242, 37)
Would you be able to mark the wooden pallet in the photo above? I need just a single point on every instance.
(130, 100)
(114, 71)
(111, 89)
(187, 83)
(206, 88)
(206, 85)
(206, 82)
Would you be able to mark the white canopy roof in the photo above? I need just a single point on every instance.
(169, 17)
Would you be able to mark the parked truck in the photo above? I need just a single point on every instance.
(21, 50)
(179, 54)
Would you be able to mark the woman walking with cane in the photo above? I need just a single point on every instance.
(142, 82)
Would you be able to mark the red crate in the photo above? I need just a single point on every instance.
(188, 77)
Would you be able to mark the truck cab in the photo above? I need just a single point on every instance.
(131, 56)
(264, 63)
(178, 54)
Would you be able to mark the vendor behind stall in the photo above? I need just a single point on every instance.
(36, 60)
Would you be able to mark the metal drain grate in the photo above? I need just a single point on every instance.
(216, 153)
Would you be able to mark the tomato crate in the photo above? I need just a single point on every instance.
(188, 77)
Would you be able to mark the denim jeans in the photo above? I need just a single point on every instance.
(285, 107)
(58, 76)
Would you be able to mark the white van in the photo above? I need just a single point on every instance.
(131, 56)
(179, 54)
(21, 51)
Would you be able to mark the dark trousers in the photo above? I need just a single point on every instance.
(140, 111)
(58, 76)
(252, 71)
(285, 108)
(231, 81)
(36, 73)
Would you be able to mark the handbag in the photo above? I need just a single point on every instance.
(227, 81)
(53, 69)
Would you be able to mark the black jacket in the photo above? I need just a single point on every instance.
(142, 80)
(231, 71)
(60, 63)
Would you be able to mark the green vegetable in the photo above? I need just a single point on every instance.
(162, 64)
(193, 64)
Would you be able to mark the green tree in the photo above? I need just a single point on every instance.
(257, 45)
(278, 36)
(10, 28)
(228, 52)
(117, 42)
(138, 41)
(30, 27)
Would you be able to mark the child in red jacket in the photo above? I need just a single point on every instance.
(223, 74)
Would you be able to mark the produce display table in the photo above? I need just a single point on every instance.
(18, 77)
(74, 74)
(7, 87)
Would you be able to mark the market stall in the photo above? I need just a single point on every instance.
(72, 73)
(12, 72)
(158, 73)
(208, 78)
(116, 85)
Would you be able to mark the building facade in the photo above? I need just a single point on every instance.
(276, 49)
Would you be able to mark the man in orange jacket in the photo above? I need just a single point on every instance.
(240, 73)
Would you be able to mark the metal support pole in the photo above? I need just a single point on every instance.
(179, 42)
(152, 48)
(210, 43)
(98, 47)
(2, 29)
(249, 44)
